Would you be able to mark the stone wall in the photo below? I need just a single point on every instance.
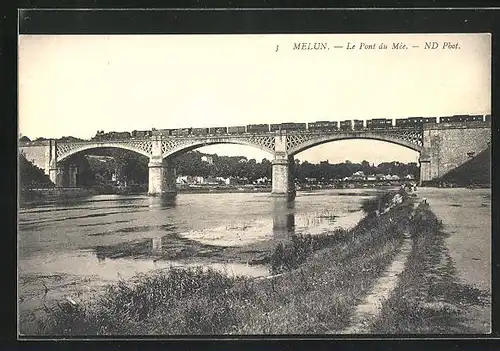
(449, 145)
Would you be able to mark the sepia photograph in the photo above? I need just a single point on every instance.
(254, 184)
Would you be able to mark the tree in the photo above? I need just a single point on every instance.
(366, 168)
(31, 176)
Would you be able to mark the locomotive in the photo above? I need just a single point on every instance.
(101, 136)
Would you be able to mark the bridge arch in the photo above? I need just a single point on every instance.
(179, 149)
(84, 147)
(295, 149)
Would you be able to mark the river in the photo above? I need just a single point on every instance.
(73, 248)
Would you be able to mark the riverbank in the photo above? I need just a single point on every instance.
(455, 255)
(320, 282)
(203, 189)
(36, 196)
(430, 297)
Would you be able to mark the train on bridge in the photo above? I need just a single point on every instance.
(319, 126)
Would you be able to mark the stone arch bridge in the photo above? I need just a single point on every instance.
(442, 147)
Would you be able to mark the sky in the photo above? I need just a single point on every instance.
(78, 84)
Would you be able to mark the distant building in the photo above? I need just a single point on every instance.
(263, 180)
(359, 175)
(243, 159)
(392, 177)
(189, 180)
(207, 159)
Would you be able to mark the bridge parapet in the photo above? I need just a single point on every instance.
(457, 125)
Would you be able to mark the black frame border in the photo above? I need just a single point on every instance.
(252, 21)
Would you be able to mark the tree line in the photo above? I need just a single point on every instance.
(131, 168)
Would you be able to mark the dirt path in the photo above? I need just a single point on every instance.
(368, 311)
(466, 216)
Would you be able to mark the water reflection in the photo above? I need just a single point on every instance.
(161, 202)
(283, 217)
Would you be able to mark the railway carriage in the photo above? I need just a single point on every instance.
(217, 130)
(322, 126)
(346, 125)
(139, 133)
(199, 131)
(487, 118)
(414, 122)
(404, 123)
(358, 124)
(452, 119)
(379, 123)
(293, 126)
(430, 120)
(122, 135)
(157, 132)
(274, 127)
(474, 118)
(236, 130)
(180, 131)
(257, 128)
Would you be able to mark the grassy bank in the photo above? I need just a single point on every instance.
(429, 297)
(322, 280)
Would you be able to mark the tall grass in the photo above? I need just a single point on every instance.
(290, 255)
(324, 280)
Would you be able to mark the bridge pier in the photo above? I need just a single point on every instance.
(283, 177)
(425, 168)
(161, 178)
(56, 175)
(64, 176)
(283, 217)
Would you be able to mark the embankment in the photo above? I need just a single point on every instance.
(432, 297)
(317, 284)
